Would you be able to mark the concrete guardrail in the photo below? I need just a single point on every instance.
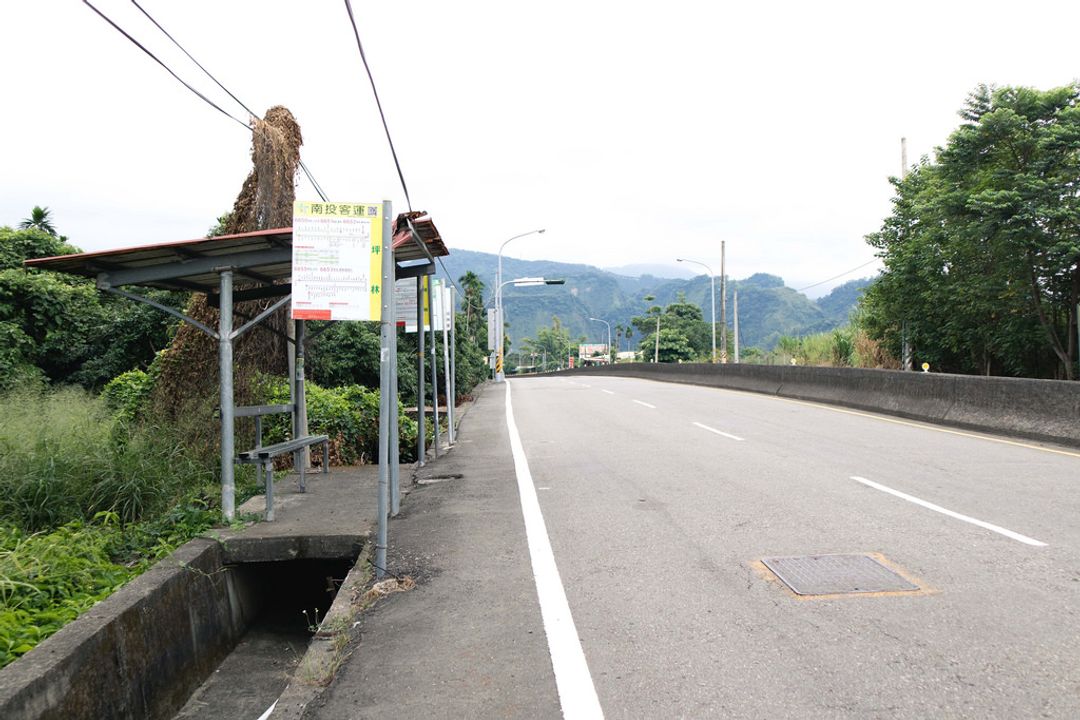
(1043, 410)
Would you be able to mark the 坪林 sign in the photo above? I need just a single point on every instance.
(337, 261)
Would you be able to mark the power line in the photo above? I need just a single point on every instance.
(139, 45)
(205, 99)
(191, 58)
(378, 103)
(310, 177)
(837, 277)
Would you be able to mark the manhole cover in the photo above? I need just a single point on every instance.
(836, 574)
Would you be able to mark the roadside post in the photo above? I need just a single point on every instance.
(433, 315)
(446, 315)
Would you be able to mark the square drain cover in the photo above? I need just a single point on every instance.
(836, 574)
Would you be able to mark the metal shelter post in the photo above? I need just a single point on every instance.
(443, 297)
(420, 413)
(228, 421)
(433, 291)
(386, 328)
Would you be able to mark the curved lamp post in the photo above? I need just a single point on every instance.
(608, 334)
(516, 282)
(712, 295)
(499, 375)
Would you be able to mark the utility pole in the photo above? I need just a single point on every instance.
(656, 351)
(723, 307)
(736, 338)
(906, 360)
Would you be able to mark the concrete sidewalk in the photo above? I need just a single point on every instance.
(468, 640)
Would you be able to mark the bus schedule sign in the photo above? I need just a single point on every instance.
(337, 261)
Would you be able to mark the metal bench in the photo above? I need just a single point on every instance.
(262, 456)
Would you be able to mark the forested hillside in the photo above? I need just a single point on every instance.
(768, 309)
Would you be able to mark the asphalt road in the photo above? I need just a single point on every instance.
(660, 500)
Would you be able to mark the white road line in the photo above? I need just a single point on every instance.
(937, 508)
(584, 385)
(577, 694)
(718, 432)
(268, 711)
(609, 392)
(645, 404)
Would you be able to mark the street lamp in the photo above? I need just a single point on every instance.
(516, 282)
(712, 295)
(608, 335)
(499, 376)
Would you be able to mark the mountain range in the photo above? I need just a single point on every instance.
(768, 309)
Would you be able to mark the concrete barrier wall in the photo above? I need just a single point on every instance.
(1045, 410)
(141, 652)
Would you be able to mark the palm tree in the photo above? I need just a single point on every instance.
(40, 220)
(473, 300)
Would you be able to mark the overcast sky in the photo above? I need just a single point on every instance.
(632, 132)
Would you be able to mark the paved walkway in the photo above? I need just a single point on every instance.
(468, 641)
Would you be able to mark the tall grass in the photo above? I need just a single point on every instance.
(88, 500)
(65, 457)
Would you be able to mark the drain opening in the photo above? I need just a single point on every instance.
(289, 598)
(836, 575)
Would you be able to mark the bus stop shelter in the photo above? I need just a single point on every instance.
(258, 266)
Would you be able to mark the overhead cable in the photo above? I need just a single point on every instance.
(139, 45)
(378, 103)
(310, 177)
(205, 99)
(837, 277)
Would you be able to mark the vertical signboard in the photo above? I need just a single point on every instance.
(437, 304)
(492, 323)
(337, 261)
(405, 304)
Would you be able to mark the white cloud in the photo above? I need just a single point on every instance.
(634, 132)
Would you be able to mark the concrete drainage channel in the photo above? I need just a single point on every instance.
(297, 596)
(217, 630)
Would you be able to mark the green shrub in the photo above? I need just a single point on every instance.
(126, 393)
(348, 415)
(46, 580)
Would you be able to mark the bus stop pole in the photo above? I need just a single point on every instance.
(433, 309)
(446, 314)
(386, 327)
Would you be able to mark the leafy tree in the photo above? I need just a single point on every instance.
(982, 250)
(40, 219)
(683, 332)
(554, 340)
(472, 305)
(59, 327)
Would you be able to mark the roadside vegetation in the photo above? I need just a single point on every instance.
(982, 249)
(98, 480)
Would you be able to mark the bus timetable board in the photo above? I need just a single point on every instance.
(337, 261)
